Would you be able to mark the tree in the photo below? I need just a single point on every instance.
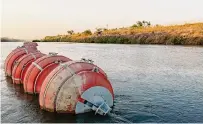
(70, 32)
(36, 41)
(139, 24)
(149, 24)
(87, 32)
(146, 23)
(98, 29)
(142, 24)
(134, 26)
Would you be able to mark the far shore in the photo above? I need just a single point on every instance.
(187, 34)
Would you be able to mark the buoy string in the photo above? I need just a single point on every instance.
(26, 50)
(35, 83)
(33, 55)
(38, 66)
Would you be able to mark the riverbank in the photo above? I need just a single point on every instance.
(187, 34)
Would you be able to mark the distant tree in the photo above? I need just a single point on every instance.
(36, 41)
(134, 26)
(143, 22)
(5, 39)
(98, 31)
(70, 32)
(139, 24)
(146, 23)
(87, 32)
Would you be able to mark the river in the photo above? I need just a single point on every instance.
(152, 83)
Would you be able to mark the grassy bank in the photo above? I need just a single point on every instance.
(187, 34)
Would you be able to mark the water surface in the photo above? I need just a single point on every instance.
(152, 83)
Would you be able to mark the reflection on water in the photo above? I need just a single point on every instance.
(151, 84)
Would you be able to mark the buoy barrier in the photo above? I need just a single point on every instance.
(64, 85)
(70, 86)
(39, 69)
(21, 66)
(17, 54)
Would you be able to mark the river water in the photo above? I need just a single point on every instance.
(152, 83)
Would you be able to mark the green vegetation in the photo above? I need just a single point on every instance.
(140, 33)
(70, 32)
(87, 32)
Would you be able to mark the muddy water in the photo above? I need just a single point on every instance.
(151, 84)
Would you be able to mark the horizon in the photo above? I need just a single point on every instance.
(36, 19)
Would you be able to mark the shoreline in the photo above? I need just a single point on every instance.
(187, 34)
(114, 44)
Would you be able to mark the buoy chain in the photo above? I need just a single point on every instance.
(26, 50)
(39, 67)
(87, 60)
(95, 69)
(33, 55)
(16, 62)
(24, 66)
(52, 53)
(58, 75)
(58, 61)
(17, 79)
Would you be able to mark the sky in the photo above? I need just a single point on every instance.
(35, 19)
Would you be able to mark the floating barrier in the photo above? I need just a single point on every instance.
(64, 85)
(20, 66)
(17, 54)
(68, 87)
(39, 69)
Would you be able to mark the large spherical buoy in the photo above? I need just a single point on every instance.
(17, 54)
(76, 87)
(38, 71)
(20, 67)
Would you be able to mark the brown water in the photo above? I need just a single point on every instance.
(152, 83)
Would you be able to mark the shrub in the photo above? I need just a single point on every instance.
(36, 41)
(87, 32)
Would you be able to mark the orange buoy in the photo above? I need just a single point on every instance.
(17, 54)
(76, 87)
(21, 66)
(38, 71)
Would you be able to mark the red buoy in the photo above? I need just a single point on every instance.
(17, 54)
(38, 71)
(76, 87)
(21, 66)
(65, 86)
